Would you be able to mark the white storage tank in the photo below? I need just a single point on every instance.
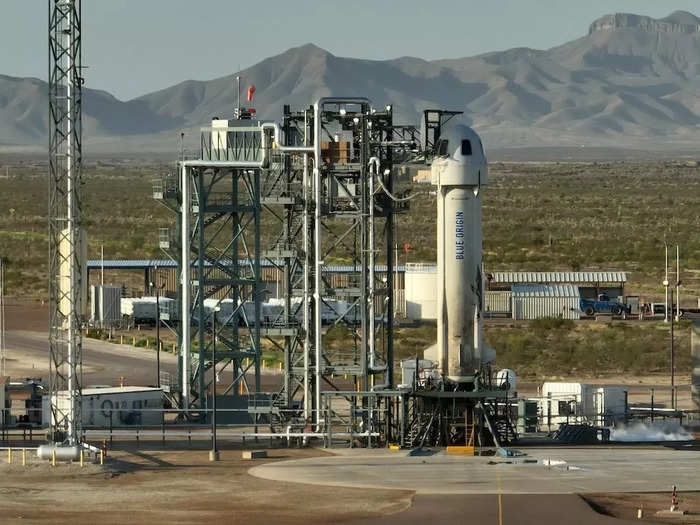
(427, 370)
(421, 291)
(599, 405)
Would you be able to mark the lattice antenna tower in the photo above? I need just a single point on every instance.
(66, 239)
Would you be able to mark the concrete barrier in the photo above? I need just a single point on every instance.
(254, 454)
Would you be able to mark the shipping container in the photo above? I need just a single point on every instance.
(537, 301)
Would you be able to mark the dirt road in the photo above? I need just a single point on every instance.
(144, 487)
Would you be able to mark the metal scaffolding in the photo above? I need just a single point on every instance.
(318, 204)
(217, 201)
(66, 239)
(329, 205)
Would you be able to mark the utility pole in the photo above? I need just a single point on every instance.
(678, 283)
(66, 239)
(666, 283)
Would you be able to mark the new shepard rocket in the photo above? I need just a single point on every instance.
(460, 171)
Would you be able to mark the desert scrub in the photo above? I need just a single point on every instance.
(549, 348)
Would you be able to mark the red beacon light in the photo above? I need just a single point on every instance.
(251, 111)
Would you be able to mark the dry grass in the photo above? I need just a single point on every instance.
(537, 216)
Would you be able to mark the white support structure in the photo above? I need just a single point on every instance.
(185, 294)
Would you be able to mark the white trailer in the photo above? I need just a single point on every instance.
(599, 405)
(143, 309)
(116, 406)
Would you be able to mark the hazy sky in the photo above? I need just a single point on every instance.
(133, 47)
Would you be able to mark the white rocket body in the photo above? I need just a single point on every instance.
(460, 171)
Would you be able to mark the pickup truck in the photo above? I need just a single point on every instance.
(602, 305)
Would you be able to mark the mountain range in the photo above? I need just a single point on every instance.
(632, 82)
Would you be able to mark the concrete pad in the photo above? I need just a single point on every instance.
(671, 513)
(543, 471)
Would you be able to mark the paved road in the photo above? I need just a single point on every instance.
(103, 363)
(559, 471)
(489, 509)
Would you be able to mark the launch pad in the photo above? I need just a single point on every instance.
(541, 471)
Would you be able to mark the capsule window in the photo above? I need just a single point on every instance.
(442, 147)
(466, 147)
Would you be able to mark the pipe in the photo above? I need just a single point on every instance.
(62, 453)
(185, 281)
(374, 170)
(207, 434)
(278, 140)
(226, 163)
(317, 290)
(306, 301)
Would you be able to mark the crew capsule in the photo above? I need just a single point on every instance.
(459, 171)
